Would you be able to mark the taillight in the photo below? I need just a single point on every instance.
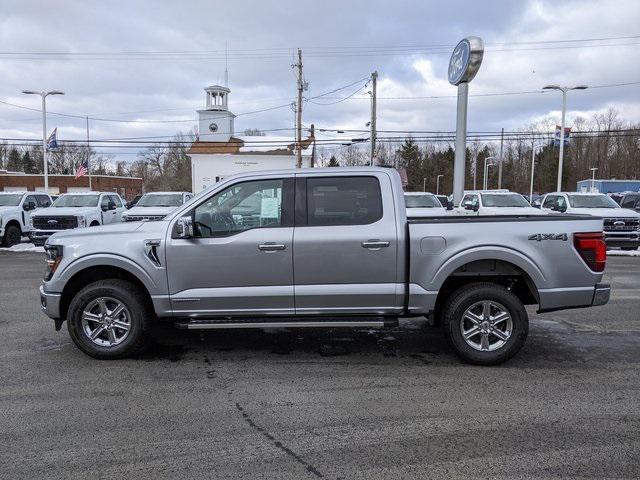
(592, 249)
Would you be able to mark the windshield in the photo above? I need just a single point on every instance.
(421, 201)
(160, 200)
(76, 201)
(592, 201)
(502, 200)
(12, 200)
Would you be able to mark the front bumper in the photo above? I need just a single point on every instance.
(39, 237)
(626, 239)
(50, 303)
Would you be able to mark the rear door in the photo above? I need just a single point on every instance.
(346, 245)
(119, 208)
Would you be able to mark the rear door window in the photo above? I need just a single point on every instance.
(343, 201)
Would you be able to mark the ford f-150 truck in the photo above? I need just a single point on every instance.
(155, 206)
(320, 248)
(16, 209)
(73, 210)
(621, 225)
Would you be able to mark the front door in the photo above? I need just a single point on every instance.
(346, 245)
(240, 261)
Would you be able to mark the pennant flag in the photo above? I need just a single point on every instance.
(52, 141)
(83, 169)
(567, 134)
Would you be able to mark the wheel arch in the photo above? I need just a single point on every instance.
(90, 274)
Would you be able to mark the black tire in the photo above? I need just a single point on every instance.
(469, 295)
(629, 248)
(141, 316)
(12, 236)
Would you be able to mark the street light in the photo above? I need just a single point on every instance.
(593, 178)
(564, 91)
(533, 166)
(44, 95)
(486, 172)
(438, 184)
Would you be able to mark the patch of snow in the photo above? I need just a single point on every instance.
(623, 253)
(23, 247)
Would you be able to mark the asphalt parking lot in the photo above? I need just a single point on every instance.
(394, 404)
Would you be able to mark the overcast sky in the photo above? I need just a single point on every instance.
(342, 42)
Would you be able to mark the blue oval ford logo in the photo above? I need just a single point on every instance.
(52, 222)
(459, 61)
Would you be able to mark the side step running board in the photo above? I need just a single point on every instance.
(220, 324)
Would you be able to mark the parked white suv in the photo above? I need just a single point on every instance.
(621, 225)
(155, 206)
(16, 209)
(73, 210)
(423, 204)
(496, 202)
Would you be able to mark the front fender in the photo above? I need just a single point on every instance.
(60, 279)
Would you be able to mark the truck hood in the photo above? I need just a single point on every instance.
(426, 212)
(151, 211)
(106, 235)
(74, 211)
(606, 212)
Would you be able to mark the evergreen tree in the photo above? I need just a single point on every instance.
(333, 162)
(28, 163)
(14, 163)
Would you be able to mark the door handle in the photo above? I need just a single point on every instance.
(271, 247)
(375, 244)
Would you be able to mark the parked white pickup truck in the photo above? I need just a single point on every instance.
(155, 206)
(73, 210)
(490, 202)
(423, 204)
(16, 209)
(621, 225)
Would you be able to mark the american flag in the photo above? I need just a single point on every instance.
(83, 169)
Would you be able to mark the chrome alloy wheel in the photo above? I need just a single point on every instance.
(106, 321)
(486, 326)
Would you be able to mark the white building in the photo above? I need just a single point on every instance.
(218, 152)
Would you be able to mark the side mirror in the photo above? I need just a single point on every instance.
(468, 205)
(30, 205)
(184, 227)
(561, 208)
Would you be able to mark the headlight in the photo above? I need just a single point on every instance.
(82, 222)
(54, 257)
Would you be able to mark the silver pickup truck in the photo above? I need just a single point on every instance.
(323, 248)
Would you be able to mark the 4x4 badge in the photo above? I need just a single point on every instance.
(538, 237)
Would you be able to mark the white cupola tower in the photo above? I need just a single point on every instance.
(216, 121)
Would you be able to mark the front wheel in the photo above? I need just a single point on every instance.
(12, 236)
(110, 319)
(485, 323)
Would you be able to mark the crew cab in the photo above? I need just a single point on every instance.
(621, 225)
(16, 209)
(76, 210)
(321, 248)
(155, 206)
(423, 204)
(495, 202)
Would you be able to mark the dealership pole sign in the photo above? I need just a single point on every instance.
(464, 64)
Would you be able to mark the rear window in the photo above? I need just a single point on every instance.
(502, 200)
(421, 201)
(343, 201)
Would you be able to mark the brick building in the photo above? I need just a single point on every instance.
(127, 187)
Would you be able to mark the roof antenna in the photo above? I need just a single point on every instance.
(226, 70)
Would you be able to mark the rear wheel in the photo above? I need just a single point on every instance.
(110, 319)
(12, 236)
(485, 323)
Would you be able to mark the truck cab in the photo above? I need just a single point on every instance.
(621, 225)
(16, 210)
(76, 210)
(495, 202)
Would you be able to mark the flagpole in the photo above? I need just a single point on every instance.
(88, 166)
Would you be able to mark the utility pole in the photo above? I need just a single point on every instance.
(88, 154)
(374, 81)
(500, 162)
(299, 111)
